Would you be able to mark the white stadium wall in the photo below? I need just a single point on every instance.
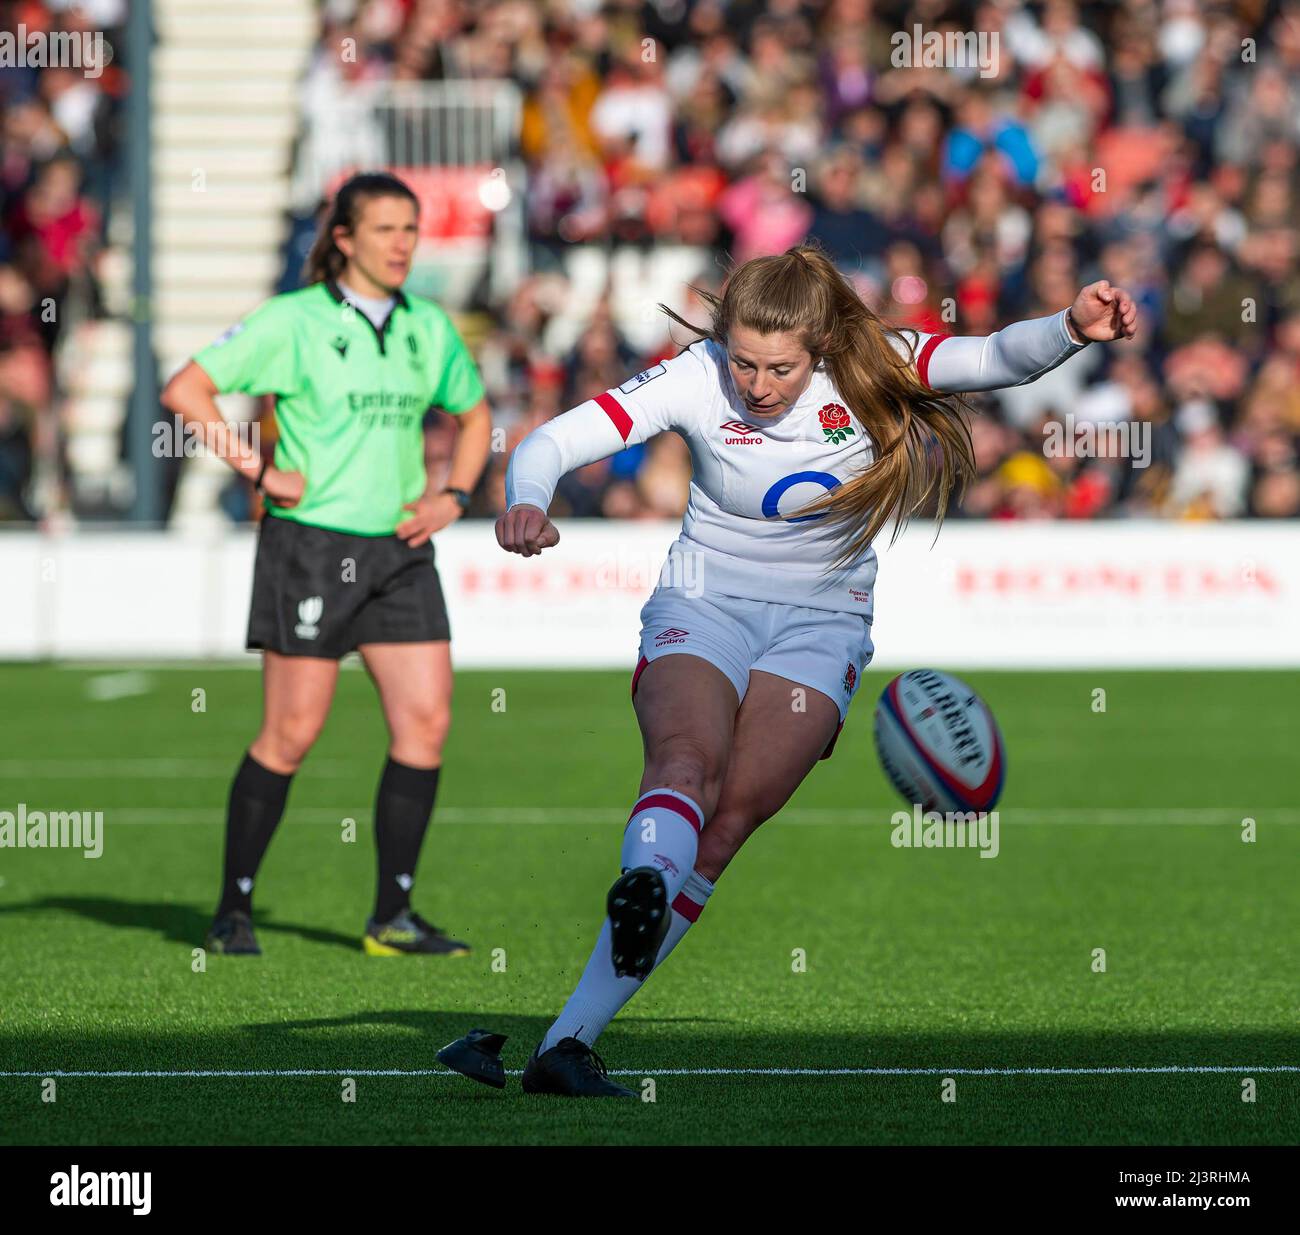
(1013, 595)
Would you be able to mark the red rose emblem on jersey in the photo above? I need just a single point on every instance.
(836, 422)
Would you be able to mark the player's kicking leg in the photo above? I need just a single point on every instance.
(686, 708)
(772, 749)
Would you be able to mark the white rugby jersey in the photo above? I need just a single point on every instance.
(749, 479)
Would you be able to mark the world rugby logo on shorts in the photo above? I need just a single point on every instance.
(309, 612)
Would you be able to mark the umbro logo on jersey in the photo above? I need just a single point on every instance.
(340, 345)
(670, 635)
(749, 435)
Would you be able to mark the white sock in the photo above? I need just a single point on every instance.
(663, 831)
(600, 995)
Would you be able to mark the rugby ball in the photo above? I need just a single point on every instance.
(938, 743)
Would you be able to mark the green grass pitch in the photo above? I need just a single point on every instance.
(1120, 830)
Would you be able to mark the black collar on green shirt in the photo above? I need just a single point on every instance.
(399, 302)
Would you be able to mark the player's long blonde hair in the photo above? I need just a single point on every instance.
(922, 440)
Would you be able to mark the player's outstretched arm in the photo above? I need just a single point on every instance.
(649, 403)
(573, 439)
(1022, 352)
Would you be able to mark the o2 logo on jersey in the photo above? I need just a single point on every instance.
(772, 498)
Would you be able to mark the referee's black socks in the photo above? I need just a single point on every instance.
(257, 798)
(402, 809)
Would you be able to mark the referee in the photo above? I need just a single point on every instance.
(344, 556)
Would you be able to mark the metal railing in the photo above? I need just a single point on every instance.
(461, 124)
(408, 124)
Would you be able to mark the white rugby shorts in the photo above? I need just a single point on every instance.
(819, 648)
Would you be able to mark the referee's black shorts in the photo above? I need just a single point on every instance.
(323, 593)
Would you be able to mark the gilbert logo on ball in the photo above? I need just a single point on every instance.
(938, 743)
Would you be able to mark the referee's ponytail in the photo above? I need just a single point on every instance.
(921, 439)
(326, 260)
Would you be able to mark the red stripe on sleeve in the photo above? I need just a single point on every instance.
(614, 410)
(923, 360)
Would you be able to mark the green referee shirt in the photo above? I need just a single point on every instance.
(350, 398)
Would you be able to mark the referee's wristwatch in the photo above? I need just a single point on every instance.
(462, 498)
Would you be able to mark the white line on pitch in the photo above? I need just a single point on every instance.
(1115, 1071)
(878, 816)
(143, 769)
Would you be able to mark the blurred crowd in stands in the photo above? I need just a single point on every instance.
(60, 165)
(1149, 142)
